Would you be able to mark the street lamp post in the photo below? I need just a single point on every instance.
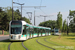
(34, 17)
(12, 10)
(21, 8)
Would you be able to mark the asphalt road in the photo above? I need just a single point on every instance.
(3, 37)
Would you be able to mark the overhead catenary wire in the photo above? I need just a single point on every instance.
(17, 0)
(43, 11)
(40, 2)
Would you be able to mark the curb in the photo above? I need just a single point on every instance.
(4, 35)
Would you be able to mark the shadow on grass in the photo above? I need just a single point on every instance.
(69, 35)
(71, 38)
(7, 40)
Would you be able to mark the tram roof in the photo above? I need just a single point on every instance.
(40, 27)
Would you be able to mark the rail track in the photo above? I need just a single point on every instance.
(52, 43)
(9, 46)
(40, 44)
(24, 46)
(12, 42)
(44, 45)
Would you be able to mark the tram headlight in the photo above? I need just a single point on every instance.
(19, 36)
(11, 36)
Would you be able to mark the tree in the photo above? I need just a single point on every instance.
(6, 17)
(25, 19)
(72, 21)
(42, 24)
(1, 15)
(64, 28)
(59, 21)
(50, 23)
(5, 22)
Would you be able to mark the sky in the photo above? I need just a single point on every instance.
(51, 10)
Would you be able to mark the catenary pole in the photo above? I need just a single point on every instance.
(12, 10)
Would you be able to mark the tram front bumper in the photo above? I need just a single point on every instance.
(17, 38)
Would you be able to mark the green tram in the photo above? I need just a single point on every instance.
(20, 30)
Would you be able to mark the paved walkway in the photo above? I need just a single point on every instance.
(3, 37)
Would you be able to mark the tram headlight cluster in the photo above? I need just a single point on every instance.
(11, 36)
(19, 36)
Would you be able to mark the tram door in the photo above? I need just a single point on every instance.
(46, 32)
(49, 32)
(39, 32)
(35, 32)
(43, 34)
(27, 28)
(23, 37)
(31, 31)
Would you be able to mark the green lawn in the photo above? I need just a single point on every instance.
(64, 42)
(16, 46)
(41, 40)
(31, 44)
(4, 45)
(68, 41)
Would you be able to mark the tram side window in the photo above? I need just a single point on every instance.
(31, 30)
(35, 30)
(49, 31)
(39, 30)
(24, 29)
(43, 31)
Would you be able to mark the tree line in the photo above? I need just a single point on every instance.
(6, 17)
(60, 23)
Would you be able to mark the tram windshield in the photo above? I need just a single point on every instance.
(16, 27)
(56, 31)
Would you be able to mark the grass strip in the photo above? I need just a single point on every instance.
(41, 40)
(17, 46)
(63, 41)
(31, 44)
(4, 44)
